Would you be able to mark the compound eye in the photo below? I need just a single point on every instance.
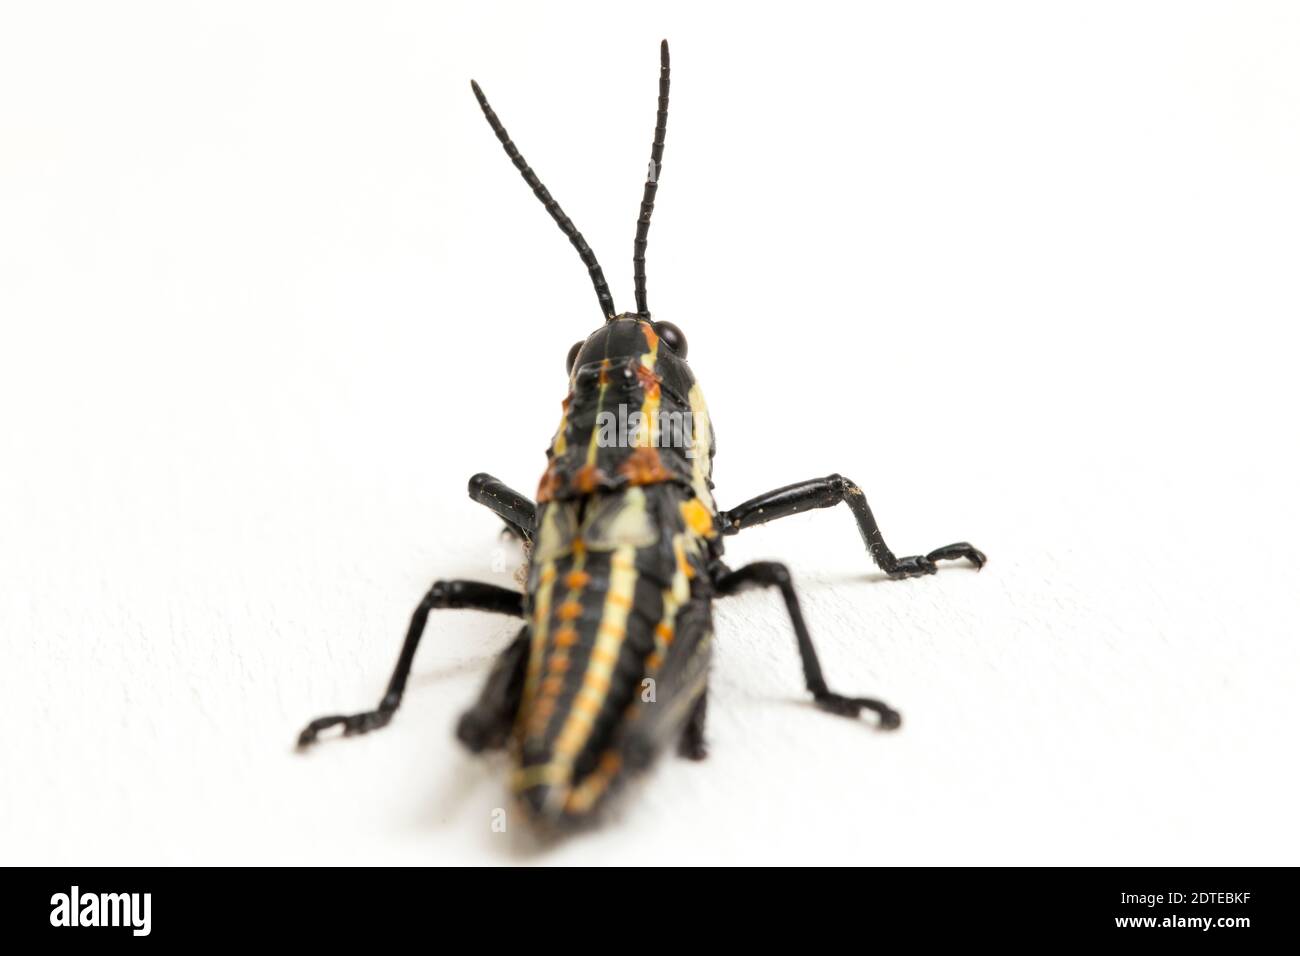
(673, 336)
(573, 357)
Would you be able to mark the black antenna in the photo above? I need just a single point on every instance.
(564, 222)
(651, 184)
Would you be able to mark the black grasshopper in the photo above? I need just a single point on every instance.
(625, 560)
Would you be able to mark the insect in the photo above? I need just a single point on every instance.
(625, 548)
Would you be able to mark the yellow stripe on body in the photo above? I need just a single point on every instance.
(544, 773)
(647, 435)
(584, 796)
(701, 464)
(582, 713)
(610, 635)
(560, 443)
(540, 710)
(538, 702)
(541, 622)
(677, 594)
(592, 445)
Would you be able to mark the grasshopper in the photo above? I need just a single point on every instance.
(625, 547)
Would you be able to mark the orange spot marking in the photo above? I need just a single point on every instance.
(613, 630)
(697, 518)
(601, 656)
(576, 579)
(665, 633)
(588, 479)
(552, 686)
(596, 682)
(651, 337)
(569, 610)
(653, 661)
(542, 711)
(644, 467)
(559, 664)
(566, 637)
(549, 484)
(649, 381)
(548, 574)
(619, 600)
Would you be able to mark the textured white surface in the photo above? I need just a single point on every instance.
(270, 293)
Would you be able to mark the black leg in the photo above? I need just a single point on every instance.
(826, 493)
(770, 574)
(443, 594)
(691, 744)
(519, 513)
(487, 724)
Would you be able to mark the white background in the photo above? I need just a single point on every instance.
(271, 293)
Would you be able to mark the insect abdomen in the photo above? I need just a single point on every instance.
(608, 576)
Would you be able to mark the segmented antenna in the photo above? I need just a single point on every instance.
(651, 184)
(541, 192)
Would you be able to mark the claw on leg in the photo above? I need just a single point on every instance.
(692, 749)
(842, 706)
(961, 549)
(918, 564)
(353, 724)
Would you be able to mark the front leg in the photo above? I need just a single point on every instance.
(518, 512)
(831, 491)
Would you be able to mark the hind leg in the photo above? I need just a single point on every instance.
(487, 724)
(771, 574)
(443, 594)
(691, 744)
